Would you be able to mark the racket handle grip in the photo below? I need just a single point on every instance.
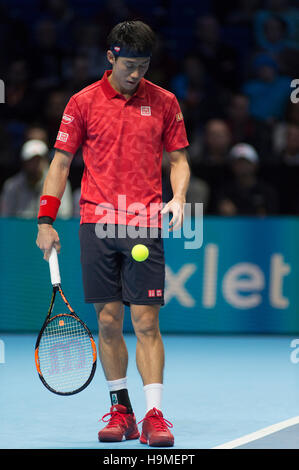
(54, 267)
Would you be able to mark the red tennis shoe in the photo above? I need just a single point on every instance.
(155, 430)
(121, 425)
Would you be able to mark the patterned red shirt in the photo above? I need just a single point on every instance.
(122, 144)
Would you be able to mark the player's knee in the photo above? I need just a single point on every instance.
(146, 326)
(110, 320)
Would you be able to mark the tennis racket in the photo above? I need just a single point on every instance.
(65, 351)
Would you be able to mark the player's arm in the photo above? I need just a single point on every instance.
(54, 186)
(179, 179)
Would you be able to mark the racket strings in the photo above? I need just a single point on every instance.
(65, 354)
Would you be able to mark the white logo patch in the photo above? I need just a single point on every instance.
(146, 111)
(66, 119)
(62, 136)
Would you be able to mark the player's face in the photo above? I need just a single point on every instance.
(127, 72)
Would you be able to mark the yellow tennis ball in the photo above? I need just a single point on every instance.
(139, 252)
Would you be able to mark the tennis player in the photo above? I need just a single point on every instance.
(123, 123)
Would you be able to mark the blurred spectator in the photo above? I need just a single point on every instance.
(268, 92)
(288, 27)
(36, 132)
(216, 142)
(14, 37)
(209, 157)
(89, 47)
(163, 65)
(198, 191)
(191, 77)
(219, 58)
(246, 128)
(289, 155)
(53, 110)
(280, 127)
(20, 99)
(47, 55)
(289, 62)
(200, 98)
(275, 35)
(79, 75)
(246, 193)
(21, 193)
(276, 43)
(54, 48)
(8, 157)
(243, 13)
(61, 14)
(21, 103)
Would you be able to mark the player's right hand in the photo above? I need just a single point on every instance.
(47, 237)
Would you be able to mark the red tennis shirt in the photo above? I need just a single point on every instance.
(122, 145)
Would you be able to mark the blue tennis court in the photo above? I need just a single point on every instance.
(220, 392)
(210, 117)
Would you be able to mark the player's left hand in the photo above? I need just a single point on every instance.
(176, 207)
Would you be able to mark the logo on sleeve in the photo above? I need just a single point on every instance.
(146, 111)
(66, 119)
(62, 136)
(179, 117)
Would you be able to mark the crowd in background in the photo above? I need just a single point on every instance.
(231, 65)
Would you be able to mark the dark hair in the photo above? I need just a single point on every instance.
(134, 36)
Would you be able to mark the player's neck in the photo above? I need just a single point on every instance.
(117, 87)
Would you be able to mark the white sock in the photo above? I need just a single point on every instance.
(153, 396)
(118, 384)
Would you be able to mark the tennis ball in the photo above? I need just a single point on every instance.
(140, 252)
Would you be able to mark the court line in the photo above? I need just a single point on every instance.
(259, 434)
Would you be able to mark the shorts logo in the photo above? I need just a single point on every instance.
(66, 119)
(179, 117)
(154, 293)
(146, 111)
(62, 136)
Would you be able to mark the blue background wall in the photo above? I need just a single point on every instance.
(243, 279)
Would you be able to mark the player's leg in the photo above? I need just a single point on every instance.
(112, 347)
(113, 351)
(143, 289)
(149, 349)
(150, 363)
(114, 359)
(102, 287)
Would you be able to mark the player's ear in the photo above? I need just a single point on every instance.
(110, 57)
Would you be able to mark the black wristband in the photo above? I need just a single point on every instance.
(45, 220)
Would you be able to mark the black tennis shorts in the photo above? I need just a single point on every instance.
(109, 271)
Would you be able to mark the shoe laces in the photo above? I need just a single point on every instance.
(116, 418)
(160, 423)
